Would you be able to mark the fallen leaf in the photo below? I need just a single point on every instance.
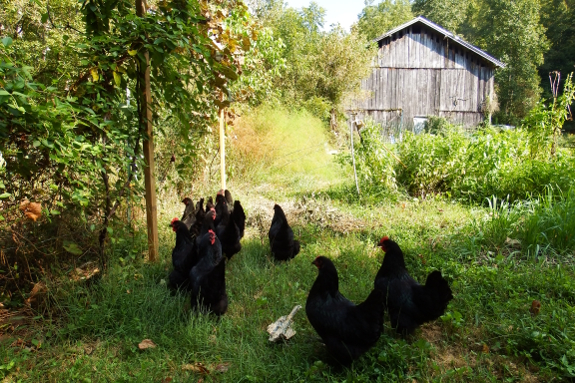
(167, 380)
(146, 343)
(32, 210)
(38, 288)
(196, 367)
(513, 243)
(222, 367)
(535, 307)
(485, 348)
(24, 204)
(127, 291)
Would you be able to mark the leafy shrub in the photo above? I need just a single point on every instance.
(489, 162)
(374, 161)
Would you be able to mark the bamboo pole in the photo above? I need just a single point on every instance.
(222, 151)
(149, 171)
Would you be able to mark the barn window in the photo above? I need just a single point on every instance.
(419, 124)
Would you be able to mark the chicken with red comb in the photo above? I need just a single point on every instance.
(208, 276)
(408, 303)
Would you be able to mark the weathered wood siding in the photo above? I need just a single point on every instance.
(419, 73)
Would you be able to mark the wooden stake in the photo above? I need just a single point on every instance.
(222, 150)
(149, 172)
(351, 123)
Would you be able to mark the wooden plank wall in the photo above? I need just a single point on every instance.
(421, 73)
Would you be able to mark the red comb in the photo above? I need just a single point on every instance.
(212, 236)
(174, 220)
(386, 238)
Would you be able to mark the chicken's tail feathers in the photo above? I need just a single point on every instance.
(296, 248)
(439, 286)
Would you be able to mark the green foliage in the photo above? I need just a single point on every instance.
(376, 20)
(466, 166)
(557, 17)
(513, 32)
(543, 225)
(450, 14)
(320, 65)
(487, 163)
(85, 137)
(374, 161)
(546, 122)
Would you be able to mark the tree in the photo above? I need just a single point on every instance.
(80, 137)
(512, 31)
(375, 20)
(321, 67)
(450, 14)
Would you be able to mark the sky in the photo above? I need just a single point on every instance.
(343, 12)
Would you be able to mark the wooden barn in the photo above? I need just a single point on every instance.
(423, 69)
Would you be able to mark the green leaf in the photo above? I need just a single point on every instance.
(44, 17)
(54, 212)
(4, 93)
(117, 78)
(5, 195)
(7, 41)
(73, 248)
(132, 52)
(36, 144)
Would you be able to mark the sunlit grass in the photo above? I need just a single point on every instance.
(283, 147)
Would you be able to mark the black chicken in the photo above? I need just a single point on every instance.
(221, 204)
(282, 244)
(228, 232)
(208, 276)
(348, 330)
(199, 214)
(239, 217)
(189, 216)
(182, 256)
(409, 304)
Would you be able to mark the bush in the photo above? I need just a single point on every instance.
(489, 162)
(374, 161)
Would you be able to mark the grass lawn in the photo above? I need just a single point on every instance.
(89, 332)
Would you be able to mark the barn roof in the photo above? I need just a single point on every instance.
(446, 33)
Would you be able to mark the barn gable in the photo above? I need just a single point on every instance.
(422, 69)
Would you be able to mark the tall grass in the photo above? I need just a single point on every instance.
(542, 225)
(274, 144)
